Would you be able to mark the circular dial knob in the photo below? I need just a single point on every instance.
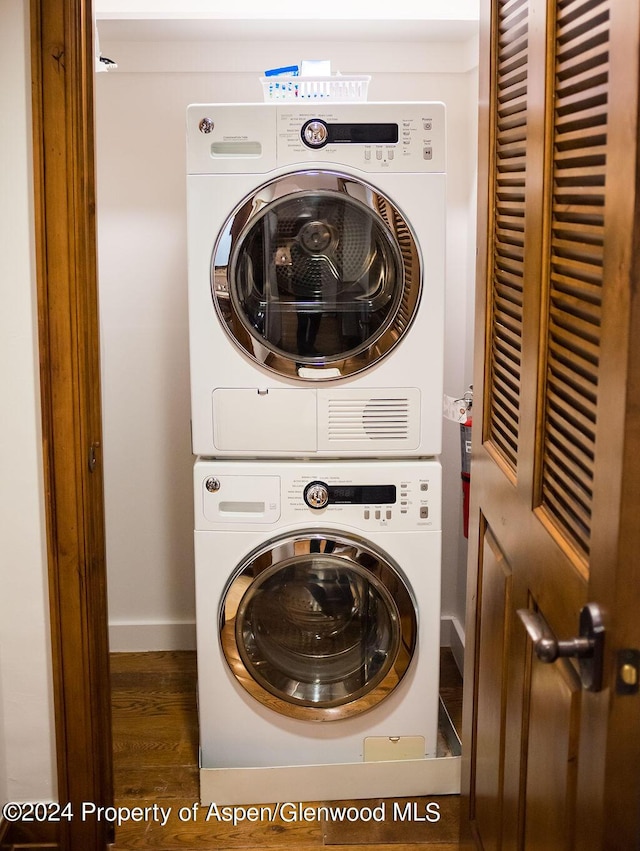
(316, 495)
(315, 133)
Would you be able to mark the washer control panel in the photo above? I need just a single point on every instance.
(392, 495)
(320, 494)
(380, 504)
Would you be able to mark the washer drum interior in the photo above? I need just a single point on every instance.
(318, 626)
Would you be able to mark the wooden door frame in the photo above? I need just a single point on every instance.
(66, 268)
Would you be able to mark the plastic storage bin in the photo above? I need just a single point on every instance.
(334, 88)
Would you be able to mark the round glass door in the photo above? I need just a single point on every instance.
(316, 275)
(318, 626)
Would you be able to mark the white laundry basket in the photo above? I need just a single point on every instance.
(333, 88)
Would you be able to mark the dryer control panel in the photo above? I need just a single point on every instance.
(374, 137)
(256, 138)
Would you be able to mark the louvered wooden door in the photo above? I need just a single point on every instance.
(555, 517)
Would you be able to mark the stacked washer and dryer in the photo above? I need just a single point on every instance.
(316, 301)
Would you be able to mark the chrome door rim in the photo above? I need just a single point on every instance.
(399, 234)
(342, 551)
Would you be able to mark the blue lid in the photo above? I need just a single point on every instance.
(276, 72)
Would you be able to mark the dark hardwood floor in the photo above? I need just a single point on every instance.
(156, 776)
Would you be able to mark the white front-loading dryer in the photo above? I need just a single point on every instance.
(318, 628)
(316, 243)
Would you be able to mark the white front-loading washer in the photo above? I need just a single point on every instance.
(316, 244)
(318, 629)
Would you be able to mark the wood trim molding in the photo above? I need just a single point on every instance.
(64, 182)
(13, 835)
(4, 833)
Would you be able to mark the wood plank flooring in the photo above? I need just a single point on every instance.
(155, 737)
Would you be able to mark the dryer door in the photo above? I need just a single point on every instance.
(318, 626)
(316, 275)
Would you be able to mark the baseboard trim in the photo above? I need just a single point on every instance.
(143, 637)
(452, 635)
(40, 835)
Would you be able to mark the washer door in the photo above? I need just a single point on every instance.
(318, 626)
(316, 275)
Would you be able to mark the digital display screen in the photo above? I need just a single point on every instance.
(362, 494)
(364, 134)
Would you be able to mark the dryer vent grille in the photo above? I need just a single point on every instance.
(384, 418)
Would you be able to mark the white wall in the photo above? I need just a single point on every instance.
(142, 263)
(27, 761)
(252, 9)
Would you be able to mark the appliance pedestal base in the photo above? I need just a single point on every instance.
(293, 783)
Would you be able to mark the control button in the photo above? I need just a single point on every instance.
(367, 514)
(390, 154)
(316, 495)
(428, 124)
(388, 514)
(367, 155)
(315, 133)
(403, 511)
(377, 513)
(378, 155)
(424, 512)
(427, 153)
(424, 486)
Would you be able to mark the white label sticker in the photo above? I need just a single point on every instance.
(455, 409)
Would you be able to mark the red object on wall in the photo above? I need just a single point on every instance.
(465, 451)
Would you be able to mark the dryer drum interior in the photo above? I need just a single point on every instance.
(318, 269)
(318, 627)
